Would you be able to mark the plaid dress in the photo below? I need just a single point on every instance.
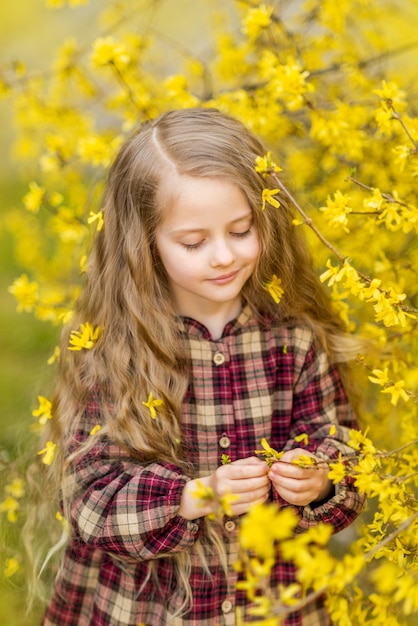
(255, 381)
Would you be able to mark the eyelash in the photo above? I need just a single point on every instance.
(195, 246)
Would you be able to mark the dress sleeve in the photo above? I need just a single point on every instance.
(322, 411)
(129, 509)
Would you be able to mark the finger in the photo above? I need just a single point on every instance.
(245, 485)
(253, 496)
(240, 507)
(290, 471)
(240, 471)
(297, 499)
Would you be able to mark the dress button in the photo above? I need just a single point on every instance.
(226, 606)
(218, 358)
(224, 441)
(230, 526)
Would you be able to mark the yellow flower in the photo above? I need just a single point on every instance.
(359, 441)
(55, 356)
(303, 437)
(11, 567)
(391, 93)
(33, 199)
(48, 452)
(25, 292)
(93, 217)
(225, 502)
(265, 165)
(263, 525)
(337, 210)
(257, 20)
(270, 454)
(268, 197)
(44, 411)
(85, 339)
(10, 505)
(275, 289)
(152, 405)
(304, 461)
(16, 488)
(337, 471)
(107, 51)
(397, 391)
(203, 493)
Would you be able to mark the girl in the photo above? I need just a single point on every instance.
(194, 361)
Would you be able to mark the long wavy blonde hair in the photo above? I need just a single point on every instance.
(126, 290)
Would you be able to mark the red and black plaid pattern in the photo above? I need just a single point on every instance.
(256, 381)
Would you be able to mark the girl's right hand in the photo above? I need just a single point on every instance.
(247, 479)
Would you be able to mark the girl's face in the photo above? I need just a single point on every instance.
(208, 245)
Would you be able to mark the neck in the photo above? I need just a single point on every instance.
(216, 319)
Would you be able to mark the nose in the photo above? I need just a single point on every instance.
(222, 254)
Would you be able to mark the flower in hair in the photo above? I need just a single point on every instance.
(85, 338)
(96, 217)
(48, 452)
(264, 165)
(275, 289)
(44, 411)
(268, 197)
(152, 405)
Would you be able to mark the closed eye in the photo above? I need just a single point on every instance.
(192, 246)
(243, 234)
(196, 246)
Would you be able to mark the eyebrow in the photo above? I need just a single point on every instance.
(181, 231)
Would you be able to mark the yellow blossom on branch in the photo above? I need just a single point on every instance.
(336, 211)
(265, 165)
(305, 461)
(397, 391)
(256, 21)
(207, 496)
(152, 404)
(337, 471)
(380, 377)
(107, 51)
(359, 441)
(263, 525)
(270, 454)
(33, 199)
(84, 339)
(25, 292)
(391, 93)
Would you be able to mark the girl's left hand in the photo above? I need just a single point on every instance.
(298, 485)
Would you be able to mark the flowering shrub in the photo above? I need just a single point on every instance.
(310, 80)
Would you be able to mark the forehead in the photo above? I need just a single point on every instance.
(192, 199)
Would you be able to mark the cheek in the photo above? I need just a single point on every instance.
(256, 249)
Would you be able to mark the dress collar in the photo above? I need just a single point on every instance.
(192, 328)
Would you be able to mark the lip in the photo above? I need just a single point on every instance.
(225, 278)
